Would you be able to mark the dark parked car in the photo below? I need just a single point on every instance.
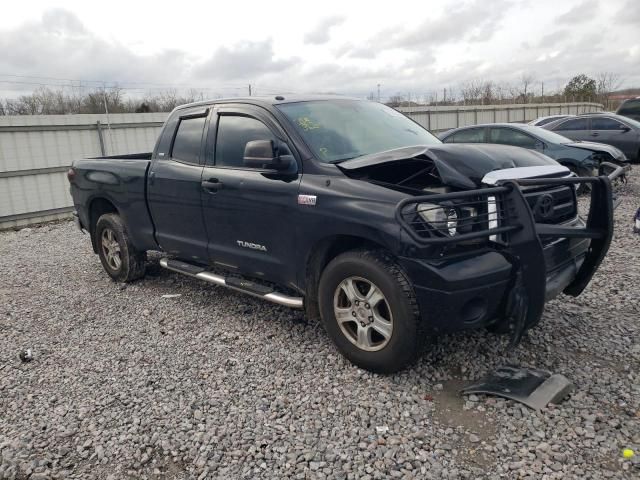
(538, 122)
(616, 130)
(351, 210)
(580, 157)
(630, 108)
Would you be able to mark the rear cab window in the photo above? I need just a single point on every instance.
(188, 140)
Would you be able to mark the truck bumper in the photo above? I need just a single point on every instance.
(473, 290)
(512, 283)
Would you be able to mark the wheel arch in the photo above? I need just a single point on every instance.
(98, 207)
(326, 250)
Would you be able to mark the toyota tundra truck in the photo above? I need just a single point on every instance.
(352, 211)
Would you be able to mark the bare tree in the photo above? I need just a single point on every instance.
(606, 83)
(526, 82)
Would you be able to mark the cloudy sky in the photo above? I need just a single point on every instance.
(304, 46)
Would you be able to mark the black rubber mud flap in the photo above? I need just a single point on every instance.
(531, 387)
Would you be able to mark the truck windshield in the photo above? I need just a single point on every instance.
(338, 130)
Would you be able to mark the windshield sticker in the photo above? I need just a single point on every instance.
(324, 151)
(307, 124)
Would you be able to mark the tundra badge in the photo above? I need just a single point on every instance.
(253, 246)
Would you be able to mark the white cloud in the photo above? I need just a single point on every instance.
(410, 46)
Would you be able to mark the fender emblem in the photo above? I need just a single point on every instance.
(307, 199)
(253, 246)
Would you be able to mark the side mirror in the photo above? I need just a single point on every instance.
(624, 128)
(540, 145)
(263, 154)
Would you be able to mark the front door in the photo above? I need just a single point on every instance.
(612, 132)
(574, 128)
(249, 213)
(174, 187)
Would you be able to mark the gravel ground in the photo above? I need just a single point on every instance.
(212, 384)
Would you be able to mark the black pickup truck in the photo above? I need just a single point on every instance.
(350, 210)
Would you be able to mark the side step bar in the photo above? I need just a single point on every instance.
(238, 284)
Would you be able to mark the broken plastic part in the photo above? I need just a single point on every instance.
(531, 387)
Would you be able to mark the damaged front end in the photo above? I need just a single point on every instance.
(492, 233)
(520, 231)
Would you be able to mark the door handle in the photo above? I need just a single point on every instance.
(152, 178)
(212, 185)
(594, 134)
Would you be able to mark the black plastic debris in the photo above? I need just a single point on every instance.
(26, 355)
(531, 387)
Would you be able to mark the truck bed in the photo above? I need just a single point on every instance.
(121, 179)
(129, 156)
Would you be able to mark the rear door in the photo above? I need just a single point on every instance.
(574, 128)
(249, 213)
(612, 132)
(174, 187)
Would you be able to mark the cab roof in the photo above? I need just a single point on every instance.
(263, 100)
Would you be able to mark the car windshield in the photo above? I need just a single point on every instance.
(338, 130)
(547, 135)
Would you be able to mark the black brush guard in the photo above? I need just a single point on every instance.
(520, 235)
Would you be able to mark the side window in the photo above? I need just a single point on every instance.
(234, 131)
(472, 135)
(605, 124)
(509, 136)
(573, 124)
(186, 145)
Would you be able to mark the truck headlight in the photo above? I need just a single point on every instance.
(443, 219)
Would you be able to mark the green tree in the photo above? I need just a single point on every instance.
(581, 86)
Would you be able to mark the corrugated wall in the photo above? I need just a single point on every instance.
(36, 151)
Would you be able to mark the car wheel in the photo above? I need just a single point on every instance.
(369, 310)
(119, 257)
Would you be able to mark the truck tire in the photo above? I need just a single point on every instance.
(119, 258)
(369, 310)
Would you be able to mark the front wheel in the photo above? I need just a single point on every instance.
(369, 310)
(119, 257)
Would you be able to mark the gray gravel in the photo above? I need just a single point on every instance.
(212, 384)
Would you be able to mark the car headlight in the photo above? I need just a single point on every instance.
(443, 219)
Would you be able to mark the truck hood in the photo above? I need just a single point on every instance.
(597, 147)
(460, 166)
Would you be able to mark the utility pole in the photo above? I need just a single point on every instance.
(542, 91)
(378, 93)
(249, 89)
(106, 111)
(444, 95)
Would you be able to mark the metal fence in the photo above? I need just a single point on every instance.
(36, 151)
(440, 119)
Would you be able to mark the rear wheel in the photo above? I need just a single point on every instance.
(119, 257)
(369, 310)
